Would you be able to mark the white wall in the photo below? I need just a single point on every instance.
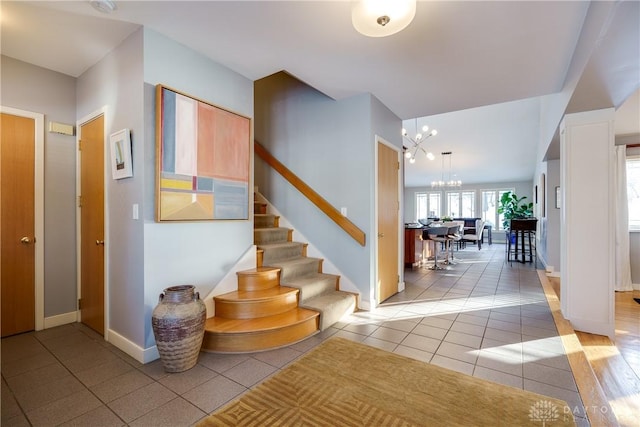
(588, 270)
(550, 251)
(553, 107)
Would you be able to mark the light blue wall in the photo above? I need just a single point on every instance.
(145, 257)
(115, 83)
(551, 254)
(385, 124)
(196, 253)
(324, 143)
(30, 88)
(330, 144)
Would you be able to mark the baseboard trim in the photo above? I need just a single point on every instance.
(142, 355)
(594, 400)
(60, 319)
(593, 327)
(401, 286)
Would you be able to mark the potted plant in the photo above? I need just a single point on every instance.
(514, 207)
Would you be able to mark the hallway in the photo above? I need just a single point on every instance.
(481, 317)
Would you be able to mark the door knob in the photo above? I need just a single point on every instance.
(380, 234)
(26, 240)
(100, 242)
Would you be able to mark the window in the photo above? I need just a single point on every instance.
(453, 205)
(633, 192)
(490, 203)
(461, 204)
(468, 207)
(428, 205)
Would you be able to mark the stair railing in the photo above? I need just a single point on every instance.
(334, 214)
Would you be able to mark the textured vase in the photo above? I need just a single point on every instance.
(178, 326)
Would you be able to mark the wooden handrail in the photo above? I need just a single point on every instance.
(350, 228)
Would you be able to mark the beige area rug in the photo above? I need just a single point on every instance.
(344, 383)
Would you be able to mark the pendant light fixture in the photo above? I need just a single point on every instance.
(381, 18)
(451, 182)
(416, 142)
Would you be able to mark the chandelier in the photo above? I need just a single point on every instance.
(381, 18)
(451, 182)
(416, 143)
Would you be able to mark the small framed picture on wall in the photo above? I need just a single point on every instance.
(542, 191)
(121, 154)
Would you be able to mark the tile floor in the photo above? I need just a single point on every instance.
(480, 316)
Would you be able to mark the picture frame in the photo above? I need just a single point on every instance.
(203, 155)
(121, 161)
(542, 189)
(558, 197)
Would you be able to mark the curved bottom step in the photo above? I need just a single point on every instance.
(265, 333)
(332, 306)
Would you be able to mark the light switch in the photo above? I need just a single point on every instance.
(135, 211)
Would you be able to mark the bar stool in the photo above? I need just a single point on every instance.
(436, 235)
(523, 230)
(453, 235)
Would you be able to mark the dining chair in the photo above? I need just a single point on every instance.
(477, 235)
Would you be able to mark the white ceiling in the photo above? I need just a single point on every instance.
(453, 58)
(481, 140)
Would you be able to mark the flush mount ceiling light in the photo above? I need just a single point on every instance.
(381, 18)
(104, 6)
(416, 143)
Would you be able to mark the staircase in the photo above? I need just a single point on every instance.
(285, 299)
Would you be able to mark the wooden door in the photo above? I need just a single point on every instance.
(92, 224)
(17, 219)
(388, 226)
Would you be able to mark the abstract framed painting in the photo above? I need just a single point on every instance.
(202, 160)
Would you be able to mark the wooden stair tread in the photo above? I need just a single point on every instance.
(262, 314)
(255, 296)
(231, 326)
(258, 271)
(258, 278)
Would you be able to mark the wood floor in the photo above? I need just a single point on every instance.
(617, 365)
